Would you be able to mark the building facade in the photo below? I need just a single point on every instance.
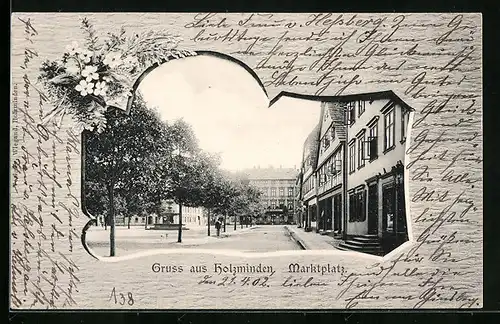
(191, 216)
(355, 187)
(278, 189)
(332, 137)
(309, 179)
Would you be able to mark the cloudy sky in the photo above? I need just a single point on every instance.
(229, 112)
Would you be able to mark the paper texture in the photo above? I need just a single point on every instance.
(246, 161)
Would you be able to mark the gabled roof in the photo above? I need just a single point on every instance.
(311, 145)
(336, 111)
(389, 94)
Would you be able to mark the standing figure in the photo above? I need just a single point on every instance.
(217, 226)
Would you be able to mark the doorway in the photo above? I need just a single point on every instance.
(388, 208)
(373, 209)
(337, 213)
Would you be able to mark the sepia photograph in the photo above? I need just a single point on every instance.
(196, 163)
(170, 161)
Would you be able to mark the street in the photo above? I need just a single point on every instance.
(262, 238)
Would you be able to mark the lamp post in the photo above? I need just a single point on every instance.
(397, 184)
(225, 214)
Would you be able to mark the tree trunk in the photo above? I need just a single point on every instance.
(208, 222)
(234, 222)
(128, 223)
(112, 248)
(225, 223)
(241, 224)
(179, 236)
(105, 219)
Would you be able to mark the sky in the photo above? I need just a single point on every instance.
(230, 113)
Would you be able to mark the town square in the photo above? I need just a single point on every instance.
(175, 182)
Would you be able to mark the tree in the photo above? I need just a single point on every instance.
(235, 196)
(247, 200)
(126, 160)
(224, 194)
(210, 183)
(184, 170)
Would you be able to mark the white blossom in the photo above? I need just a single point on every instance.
(72, 48)
(90, 73)
(72, 67)
(85, 56)
(100, 88)
(85, 88)
(112, 59)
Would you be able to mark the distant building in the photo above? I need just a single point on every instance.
(278, 193)
(352, 172)
(191, 216)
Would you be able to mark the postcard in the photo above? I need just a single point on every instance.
(172, 161)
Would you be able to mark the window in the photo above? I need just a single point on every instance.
(352, 157)
(361, 150)
(308, 185)
(389, 129)
(273, 192)
(404, 123)
(282, 192)
(326, 141)
(332, 133)
(273, 203)
(323, 175)
(337, 162)
(290, 192)
(290, 205)
(329, 168)
(373, 138)
(351, 113)
(282, 203)
(361, 107)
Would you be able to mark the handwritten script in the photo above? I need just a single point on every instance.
(432, 61)
(434, 65)
(43, 275)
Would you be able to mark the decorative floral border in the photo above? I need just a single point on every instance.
(100, 74)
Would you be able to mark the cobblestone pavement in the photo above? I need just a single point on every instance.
(252, 239)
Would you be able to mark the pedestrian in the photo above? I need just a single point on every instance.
(217, 227)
